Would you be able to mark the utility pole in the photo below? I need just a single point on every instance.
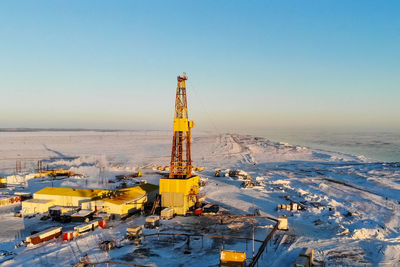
(253, 226)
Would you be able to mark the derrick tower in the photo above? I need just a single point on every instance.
(179, 191)
(181, 162)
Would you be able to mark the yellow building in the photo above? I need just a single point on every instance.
(117, 203)
(126, 201)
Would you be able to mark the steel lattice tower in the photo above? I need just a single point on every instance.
(181, 162)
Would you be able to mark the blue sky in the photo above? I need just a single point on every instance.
(252, 65)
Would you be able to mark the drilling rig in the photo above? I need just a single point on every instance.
(180, 189)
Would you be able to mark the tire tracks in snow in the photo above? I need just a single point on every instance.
(245, 152)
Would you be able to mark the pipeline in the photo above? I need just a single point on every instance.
(262, 247)
(205, 235)
(114, 262)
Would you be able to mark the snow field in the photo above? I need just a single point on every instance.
(351, 214)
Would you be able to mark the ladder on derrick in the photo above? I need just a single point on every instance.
(155, 205)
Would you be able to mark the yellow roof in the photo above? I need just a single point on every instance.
(73, 192)
(132, 193)
(127, 194)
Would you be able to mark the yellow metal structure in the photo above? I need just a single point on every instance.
(232, 258)
(181, 162)
(57, 172)
(181, 125)
(3, 182)
(179, 191)
(179, 194)
(198, 169)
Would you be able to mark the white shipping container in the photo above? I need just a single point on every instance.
(86, 227)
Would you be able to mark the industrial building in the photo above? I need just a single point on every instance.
(127, 200)
(32, 206)
(117, 204)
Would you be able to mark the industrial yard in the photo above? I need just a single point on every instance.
(350, 217)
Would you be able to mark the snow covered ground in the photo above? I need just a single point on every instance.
(351, 216)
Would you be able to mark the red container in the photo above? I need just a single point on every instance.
(103, 224)
(66, 236)
(198, 211)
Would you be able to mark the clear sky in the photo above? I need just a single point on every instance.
(251, 64)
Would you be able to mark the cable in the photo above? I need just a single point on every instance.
(193, 88)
